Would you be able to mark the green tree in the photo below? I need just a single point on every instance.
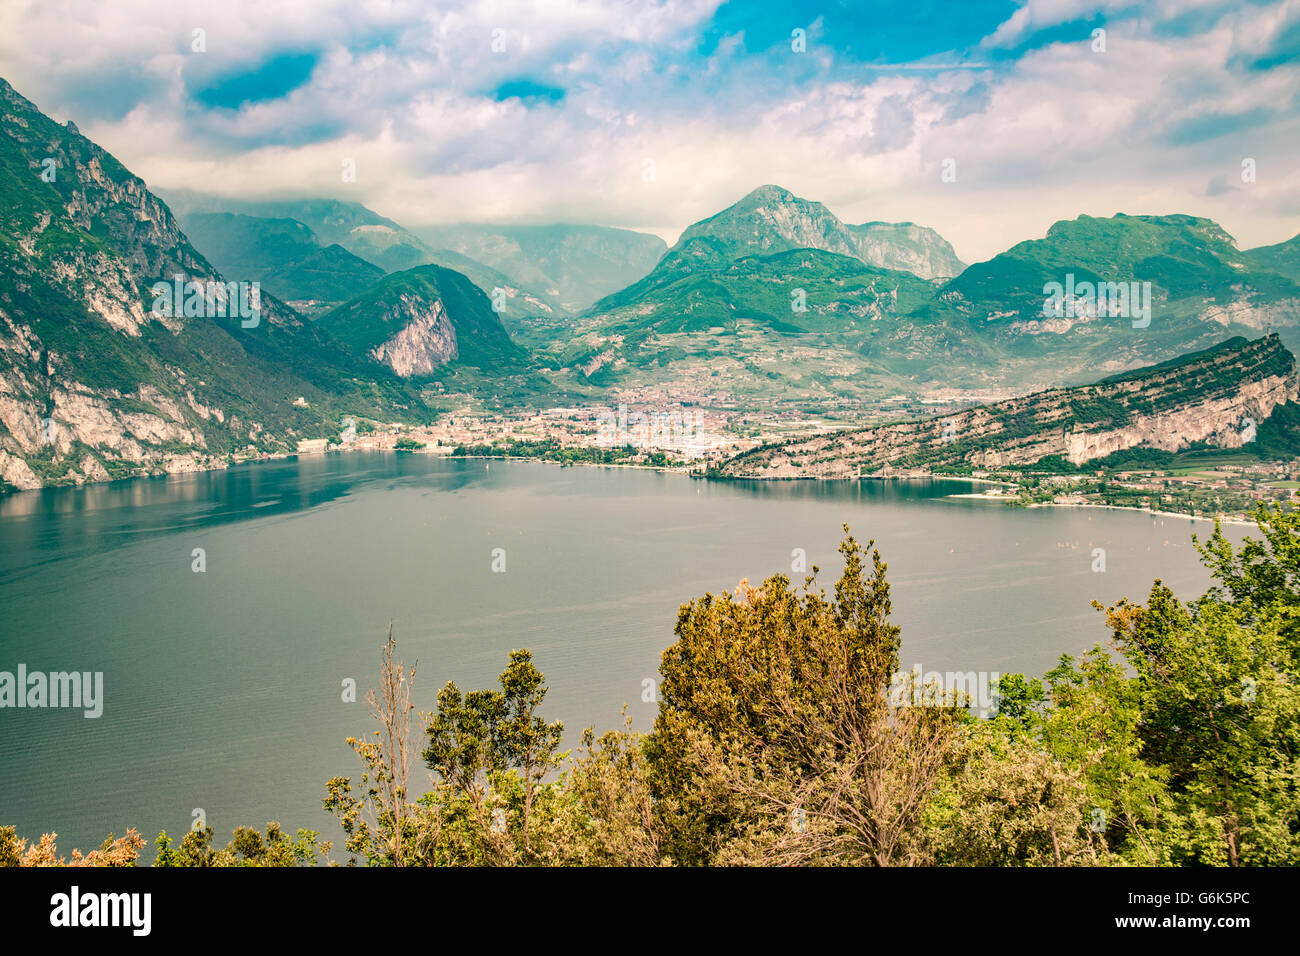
(776, 741)
(494, 740)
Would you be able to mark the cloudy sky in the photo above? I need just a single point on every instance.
(652, 115)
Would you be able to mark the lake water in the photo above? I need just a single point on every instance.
(223, 689)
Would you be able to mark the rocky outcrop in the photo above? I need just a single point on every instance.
(1218, 396)
(427, 339)
(771, 219)
(907, 247)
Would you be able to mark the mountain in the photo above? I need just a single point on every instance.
(680, 295)
(737, 285)
(326, 275)
(772, 219)
(1200, 287)
(1283, 258)
(732, 309)
(758, 329)
(375, 239)
(284, 255)
(1203, 397)
(907, 247)
(578, 264)
(416, 321)
(95, 382)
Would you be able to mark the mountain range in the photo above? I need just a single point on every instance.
(771, 304)
(98, 382)
(774, 265)
(575, 264)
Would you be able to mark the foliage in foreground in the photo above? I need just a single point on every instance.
(782, 739)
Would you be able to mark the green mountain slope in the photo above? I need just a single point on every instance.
(282, 254)
(1282, 258)
(327, 275)
(800, 290)
(1201, 287)
(417, 321)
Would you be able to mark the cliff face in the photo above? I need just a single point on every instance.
(416, 321)
(907, 246)
(83, 393)
(425, 341)
(1218, 396)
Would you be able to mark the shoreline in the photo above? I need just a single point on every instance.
(1224, 518)
(685, 470)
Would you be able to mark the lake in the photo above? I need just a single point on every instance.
(223, 689)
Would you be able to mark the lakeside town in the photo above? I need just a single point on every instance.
(696, 440)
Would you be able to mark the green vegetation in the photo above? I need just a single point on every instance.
(284, 255)
(385, 308)
(548, 450)
(1282, 258)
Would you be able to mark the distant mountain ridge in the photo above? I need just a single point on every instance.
(578, 264)
(373, 238)
(284, 255)
(772, 219)
(1282, 258)
(1202, 286)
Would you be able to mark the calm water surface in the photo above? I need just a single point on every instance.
(223, 689)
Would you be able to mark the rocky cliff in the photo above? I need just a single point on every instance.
(1218, 396)
(908, 247)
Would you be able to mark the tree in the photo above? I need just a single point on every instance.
(247, 847)
(383, 826)
(776, 741)
(489, 740)
(1220, 714)
(114, 851)
(610, 783)
(1007, 802)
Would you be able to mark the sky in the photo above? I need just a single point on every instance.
(987, 120)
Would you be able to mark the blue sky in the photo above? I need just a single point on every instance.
(652, 115)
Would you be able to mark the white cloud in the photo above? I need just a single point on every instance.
(407, 92)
